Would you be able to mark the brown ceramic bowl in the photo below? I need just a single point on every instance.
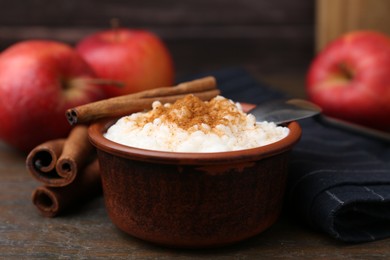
(193, 199)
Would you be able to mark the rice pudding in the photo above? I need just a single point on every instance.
(193, 125)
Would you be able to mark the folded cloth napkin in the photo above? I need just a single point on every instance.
(339, 182)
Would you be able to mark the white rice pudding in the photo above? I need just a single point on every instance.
(192, 125)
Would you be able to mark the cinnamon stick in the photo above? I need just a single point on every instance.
(56, 163)
(75, 155)
(52, 201)
(204, 88)
(41, 161)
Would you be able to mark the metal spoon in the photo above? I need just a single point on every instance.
(284, 111)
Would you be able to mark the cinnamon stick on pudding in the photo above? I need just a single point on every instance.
(52, 201)
(41, 162)
(204, 88)
(56, 163)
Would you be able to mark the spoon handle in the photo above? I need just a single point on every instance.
(359, 129)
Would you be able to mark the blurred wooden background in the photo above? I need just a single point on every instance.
(267, 37)
(335, 17)
(275, 40)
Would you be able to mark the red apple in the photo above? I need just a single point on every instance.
(39, 80)
(137, 58)
(350, 79)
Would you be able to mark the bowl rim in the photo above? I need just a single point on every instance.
(98, 128)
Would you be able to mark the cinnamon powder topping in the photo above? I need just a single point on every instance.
(191, 113)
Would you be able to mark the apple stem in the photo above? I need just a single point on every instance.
(346, 71)
(103, 82)
(115, 26)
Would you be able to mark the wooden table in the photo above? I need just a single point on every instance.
(87, 232)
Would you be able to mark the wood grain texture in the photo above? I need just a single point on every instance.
(335, 17)
(153, 12)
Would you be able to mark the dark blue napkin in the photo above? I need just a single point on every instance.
(339, 182)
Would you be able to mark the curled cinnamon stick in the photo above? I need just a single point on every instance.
(52, 201)
(56, 163)
(75, 155)
(41, 161)
(204, 88)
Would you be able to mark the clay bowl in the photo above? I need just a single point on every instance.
(193, 199)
